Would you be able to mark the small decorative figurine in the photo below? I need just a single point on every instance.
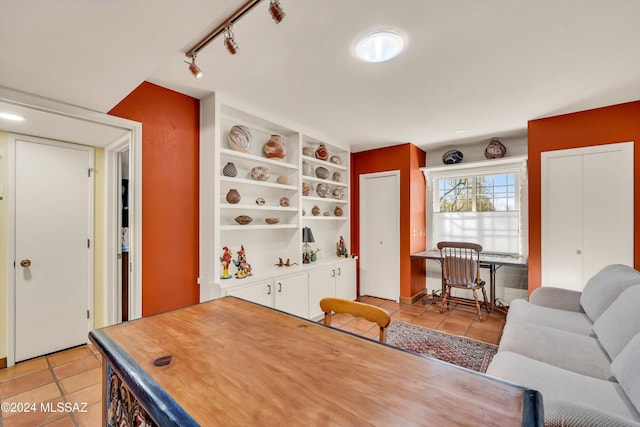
(225, 261)
(341, 249)
(244, 268)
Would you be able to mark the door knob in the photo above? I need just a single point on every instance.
(25, 263)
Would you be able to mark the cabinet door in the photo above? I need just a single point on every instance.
(322, 283)
(260, 293)
(346, 280)
(292, 295)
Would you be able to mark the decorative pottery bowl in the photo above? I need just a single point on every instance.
(272, 220)
(315, 211)
(260, 173)
(452, 157)
(322, 172)
(322, 153)
(335, 160)
(284, 202)
(275, 148)
(337, 193)
(338, 211)
(282, 179)
(335, 176)
(260, 201)
(322, 190)
(243, 219)
(495, 150)
(307, 151)
(240, 138)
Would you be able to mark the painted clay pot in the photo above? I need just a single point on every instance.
(306, 188)
(335, 176)
(337, 193)
(338, 211)
(272, 220)
(275, 148)
(284, 180)
(322, 153)
(229, 170)
(335, 160)
(495, 150)
(243, 219)
(240, 138)
(315, 211)
(307, 169)
(322, 172)
(452, 157)
(260, 201)
(284, 202)
(233, 196)
(307, 151)
(260, 173)
(322, 190)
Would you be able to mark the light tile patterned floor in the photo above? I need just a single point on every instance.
(73, 377)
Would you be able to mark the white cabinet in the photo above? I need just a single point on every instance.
(335, 280)
(260, 293)
(587, 212)
(291, 294)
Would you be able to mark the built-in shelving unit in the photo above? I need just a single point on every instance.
(282, 196)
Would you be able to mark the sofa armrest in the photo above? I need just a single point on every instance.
(561, 413)
(558, 298)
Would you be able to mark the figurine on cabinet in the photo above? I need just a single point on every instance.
(244, 268)
(341, 249)
(225, 261)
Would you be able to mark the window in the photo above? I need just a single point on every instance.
(481, 204)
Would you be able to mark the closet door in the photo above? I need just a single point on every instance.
(587, 212)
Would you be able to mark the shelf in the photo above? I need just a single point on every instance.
(254, 183)
(271, 208)
(324, 218)
(250, 160)
(258, 227)
(325, 163)
(325, 181)
(324, 199)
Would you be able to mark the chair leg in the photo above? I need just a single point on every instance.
(484, 295)
(475, 297)
(444, 299)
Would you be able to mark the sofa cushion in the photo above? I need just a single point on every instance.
(627, 370)
(605, 286)
(560, 413)
(560, 384)
(620, 322)
(567, 350)
(525, 312)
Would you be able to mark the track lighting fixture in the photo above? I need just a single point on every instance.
(229, 42)
(195, 70)
(274, 9)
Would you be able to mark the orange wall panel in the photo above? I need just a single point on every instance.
(617, 123)
(406, 158)
(170, 139)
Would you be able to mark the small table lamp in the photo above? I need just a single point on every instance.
(307, 237)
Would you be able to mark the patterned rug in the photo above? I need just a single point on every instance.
(461, 351)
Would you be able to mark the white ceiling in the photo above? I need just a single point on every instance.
(487, 66)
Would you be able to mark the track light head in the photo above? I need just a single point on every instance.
(276, 11)
(193, 68)
(229, 42)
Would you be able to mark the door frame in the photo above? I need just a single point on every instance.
(396, 200)
(11, 236)
(133, 131)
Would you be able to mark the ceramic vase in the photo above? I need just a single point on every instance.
(275, 148)
(229, 170)
(338, 211)
(233, 196)
(260, 173)
(315, 211)
(322, 190)
(240, 138)
(322, 153)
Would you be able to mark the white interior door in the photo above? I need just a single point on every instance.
(53, 246)
(380, 235)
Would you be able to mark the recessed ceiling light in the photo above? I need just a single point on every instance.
(379, 46)
(9, 116)
(460, 131)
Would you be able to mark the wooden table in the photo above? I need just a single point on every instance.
(488, 260)
(238, 363)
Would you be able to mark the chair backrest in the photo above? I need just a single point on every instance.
(356, 309)
(460, 263)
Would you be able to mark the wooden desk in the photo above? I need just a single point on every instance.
(487, 260)
(238, 363)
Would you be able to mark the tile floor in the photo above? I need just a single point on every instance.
(73, 377)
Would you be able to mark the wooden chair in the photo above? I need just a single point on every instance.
(356, 309)
(461, 269)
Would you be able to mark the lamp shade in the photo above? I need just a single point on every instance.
(307, 235)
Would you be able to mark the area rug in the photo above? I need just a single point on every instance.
(461, 351)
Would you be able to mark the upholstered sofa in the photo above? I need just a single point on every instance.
(580, 350)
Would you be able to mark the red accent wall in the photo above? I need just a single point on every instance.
(170, 138)
(617, 123)
(407, 158)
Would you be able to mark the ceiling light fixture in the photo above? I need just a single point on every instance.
(13, 117)
(379, 46)
(195, 70)
(229, 42)
(225, 28)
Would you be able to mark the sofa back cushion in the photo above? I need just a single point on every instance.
(603, 288)
(620, 322)
(626, 369)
